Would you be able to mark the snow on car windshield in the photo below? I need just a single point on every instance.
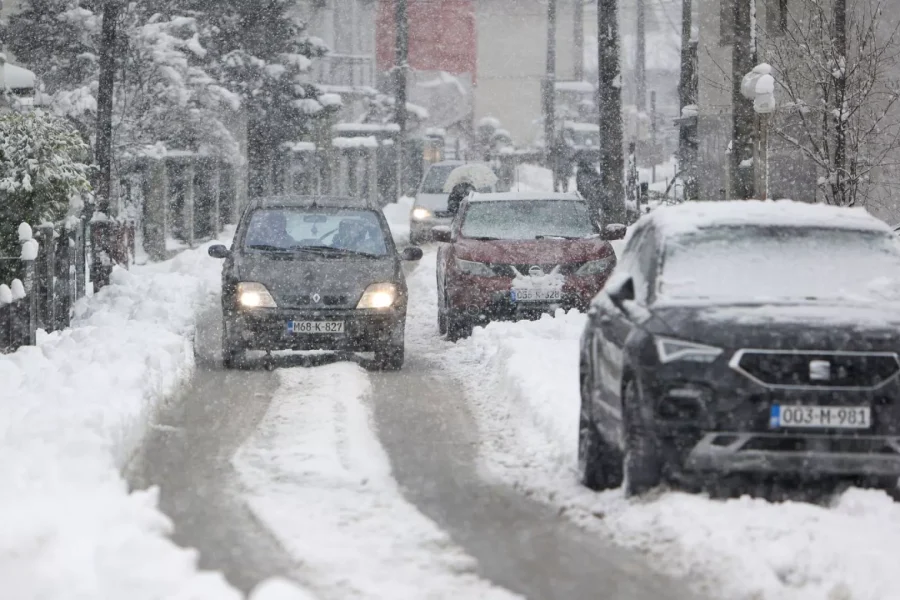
(780, 263)
(289, 228)
(435, 179)
(527, 219)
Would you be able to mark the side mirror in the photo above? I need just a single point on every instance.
(219, 251)
(621, 291)
(614, 231)
(441, 233)
(411, 253)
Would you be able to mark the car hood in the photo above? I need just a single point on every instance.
(340, 282)
(540, 252)
(433, 202)
(783, 326)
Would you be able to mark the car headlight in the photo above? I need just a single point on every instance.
(378, 295)
(254, 295)
(420, 214)
(470, 267)
(596, 267)
(671, 350)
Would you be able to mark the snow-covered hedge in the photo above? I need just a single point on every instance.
(44, 172)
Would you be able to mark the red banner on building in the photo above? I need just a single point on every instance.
(442, 36)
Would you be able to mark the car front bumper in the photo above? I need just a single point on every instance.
(364, 330)
(421, 229)
(712, 419)
(489, 298)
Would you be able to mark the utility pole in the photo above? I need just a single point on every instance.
(549, 94)
(687, 93)
(578, 40)
(640, 69)
(102, 229)
(612, 162)
(402, 58)
(653, 153)
(743, 59)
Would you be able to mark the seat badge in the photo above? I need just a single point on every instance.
(819, 370)
(316, 298)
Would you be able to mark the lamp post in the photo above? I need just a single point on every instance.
(759, 85)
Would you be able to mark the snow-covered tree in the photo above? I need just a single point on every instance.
(44, 173)
(840, 92)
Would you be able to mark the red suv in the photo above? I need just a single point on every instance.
(517, 255)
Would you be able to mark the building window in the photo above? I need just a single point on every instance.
(726, 22)
(776, 17)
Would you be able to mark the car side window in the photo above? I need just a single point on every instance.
(637, 261)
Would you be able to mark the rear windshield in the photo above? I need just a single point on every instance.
(527, 219)
(288, 229)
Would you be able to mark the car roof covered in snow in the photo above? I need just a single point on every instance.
(521, 196)
(688, 217)
(299, 201)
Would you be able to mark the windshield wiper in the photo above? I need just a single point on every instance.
(551, 236)
(337, 251)
(268, 248)
(482, 238)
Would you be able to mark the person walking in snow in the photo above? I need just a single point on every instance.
(605, 209)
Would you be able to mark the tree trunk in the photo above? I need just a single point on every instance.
(841, 183)
(578, 40)
(259, 157)
(743, 60)
(612, 162)
(402, 57)
(687, 131)
(641, 59)
(549, 95)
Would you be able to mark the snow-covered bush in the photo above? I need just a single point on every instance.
(43, 171)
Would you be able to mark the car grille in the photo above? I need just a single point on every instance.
(324, 300)
(507, 270)
(834, 370)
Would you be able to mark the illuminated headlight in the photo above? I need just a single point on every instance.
(254, 295)
(671, 350)
(470, 267)
(378, 295)
(420, 214)
(596, 267)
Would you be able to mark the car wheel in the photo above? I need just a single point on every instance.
(599, 463)
(459, 326)
(232, 353)
(643, 465)
(389, 357)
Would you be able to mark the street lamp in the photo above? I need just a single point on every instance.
(759, 85)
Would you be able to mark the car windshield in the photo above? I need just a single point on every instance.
(780, 263)
(527, 219)
(436, 178)
(295, 229)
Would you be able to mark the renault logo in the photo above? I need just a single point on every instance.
(819, 370)
(316, 297)
(536, 271)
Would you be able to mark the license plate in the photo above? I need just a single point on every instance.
(530, 295)
(820, 417)
(315, 327)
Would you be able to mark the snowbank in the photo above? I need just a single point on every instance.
(316, 474)
(522, 382)
(397, 215)
(72, 411)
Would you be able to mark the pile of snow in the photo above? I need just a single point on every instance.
(522, 382)
(355, 142)
(397, 215)
(317, 476)
(73, 410)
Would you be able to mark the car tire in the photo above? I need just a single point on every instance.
(643, 464)
(390, 357)
(599, 463)
(232, 353)
(459, 326)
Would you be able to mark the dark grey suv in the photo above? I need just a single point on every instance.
(313, 273)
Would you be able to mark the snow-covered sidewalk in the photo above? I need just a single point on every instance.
(522, 382)
(318, 477)
(72, 411)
